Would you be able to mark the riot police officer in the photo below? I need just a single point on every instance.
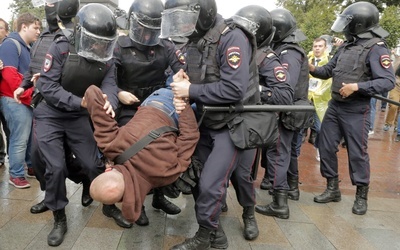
(360, 68)
(64, 10)
(222, 71)
(282, 157)
(141, 60)
(60, 117)
(274, 79)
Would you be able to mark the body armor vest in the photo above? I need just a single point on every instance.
(351, 67)
(141, 72)
(301, 89)
(39, 51)
(79, 73)
(203, 68)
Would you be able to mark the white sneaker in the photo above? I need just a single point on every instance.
(318, 157)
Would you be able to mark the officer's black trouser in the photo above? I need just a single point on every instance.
(52, 129)
(352, 121)
(282, 158)
(222, 161)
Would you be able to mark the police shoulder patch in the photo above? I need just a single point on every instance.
(233, 56)
(385, 61)
(286, 66)
(180, 56)
(279, 73)
(48, 62)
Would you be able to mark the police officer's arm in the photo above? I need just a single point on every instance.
(50, 77)
(325, 72)
(176, 58)
(109, 84)
(382, 73)
(234, 55)
(275, 88)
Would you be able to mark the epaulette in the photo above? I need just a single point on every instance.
(61, 39)
(271, 55)
(380, 43)
(283, 52)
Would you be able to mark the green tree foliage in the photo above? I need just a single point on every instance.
(390, 22)
(18, 7)
(315, 17)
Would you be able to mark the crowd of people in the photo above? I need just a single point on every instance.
(124, 115)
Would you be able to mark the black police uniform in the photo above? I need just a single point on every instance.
(367, 63)
(274, 82)
(60, 118)
(141, 70)
(38, 53)
(282, 157)
(223, 77)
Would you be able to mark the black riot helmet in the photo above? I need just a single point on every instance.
(286, 28)
(145, 21)
(359, 18)
(183, 17)
(67, 9)
(95, 32)
(258, 21)
(50, 10)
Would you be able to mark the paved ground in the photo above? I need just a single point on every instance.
(310, 226)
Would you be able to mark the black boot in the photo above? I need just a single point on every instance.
(200, 241)
(224, 207)
(86, 200)
(39, 208)
(143, 220)
(56, 236)
(218, 238)
(294, 192)
(265, 183)
(360, 204)
(278, 207)
(160, 202)
(114, 212)
(250, 231)
(331, 193)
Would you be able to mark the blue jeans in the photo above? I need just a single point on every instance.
(19, 121)
(373, 111)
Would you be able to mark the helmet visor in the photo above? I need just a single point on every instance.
(249, 25)
(38, 3)
(95, 47)
(341, 23)
(178, 22)
(144, 30)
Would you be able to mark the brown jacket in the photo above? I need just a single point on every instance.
(158, 164)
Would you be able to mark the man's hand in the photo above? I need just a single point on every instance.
(127, 98)
(348, 89)
(34, 78)
(181, 75)
(83, 103)
(181, 85)
(337, 41)
(107, 107)
(180, 104)
(17, 94)
(311, 67)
